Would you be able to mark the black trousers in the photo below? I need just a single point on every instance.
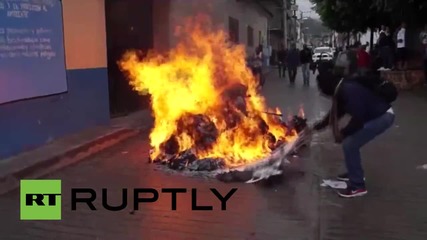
(292, 74)
(282, 69)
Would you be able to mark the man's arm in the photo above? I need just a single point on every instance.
(322, 124)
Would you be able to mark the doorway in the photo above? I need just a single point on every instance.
(129, 25)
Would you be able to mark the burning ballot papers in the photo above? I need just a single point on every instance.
(208, 114)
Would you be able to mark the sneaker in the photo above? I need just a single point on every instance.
(344, 177)
(352, 192)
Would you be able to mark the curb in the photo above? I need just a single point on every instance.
(75, 154)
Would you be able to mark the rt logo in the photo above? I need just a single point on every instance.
(40, 200)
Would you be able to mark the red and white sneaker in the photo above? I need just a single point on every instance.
(352, 192)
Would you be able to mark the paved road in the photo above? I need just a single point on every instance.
(293, 208)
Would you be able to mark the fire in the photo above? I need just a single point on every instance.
(195, 86)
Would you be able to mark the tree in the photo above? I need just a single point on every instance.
(348, 16)
(412, 12)
(314, 26)
(359, 15)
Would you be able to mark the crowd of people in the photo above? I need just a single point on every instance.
(290, 60)
(390, 52)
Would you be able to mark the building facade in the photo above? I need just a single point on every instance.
(95, 35)
(244, 21)
(29, 123)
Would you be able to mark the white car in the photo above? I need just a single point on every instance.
(325, 52)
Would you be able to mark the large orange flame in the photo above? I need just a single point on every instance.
(191, 80)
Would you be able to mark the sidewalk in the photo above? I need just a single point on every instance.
(69, 150)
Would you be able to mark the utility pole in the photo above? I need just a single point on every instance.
(285, 22)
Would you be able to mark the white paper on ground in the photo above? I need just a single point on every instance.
(423, 167)
(334, 184)
(264, 173)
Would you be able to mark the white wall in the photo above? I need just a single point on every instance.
(84, 33)
(170, 13)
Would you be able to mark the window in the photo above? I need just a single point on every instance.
(233, 28)
(250, 36)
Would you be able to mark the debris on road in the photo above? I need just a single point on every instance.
(422, 167)
(188, 162)
(334, 184)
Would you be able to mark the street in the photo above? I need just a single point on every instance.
(295, 208)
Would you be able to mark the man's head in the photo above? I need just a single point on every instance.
(327, 82)
(403, 25)
(305, 46)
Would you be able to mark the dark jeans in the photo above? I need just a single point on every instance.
(352, 145)
(305, 68)
(282, 69)
(292, 71)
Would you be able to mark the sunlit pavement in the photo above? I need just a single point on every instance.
(294, 208)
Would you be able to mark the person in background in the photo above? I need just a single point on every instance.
(266, 53)
(305, 58)
(401, 47)
(313, 64)
(292, 61)
(382, 30)
(257, 66)
(385, 44)
(281, 58)
(371, 115)
(423, 39)
(363, 60)
(376, 61)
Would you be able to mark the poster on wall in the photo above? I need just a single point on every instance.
(32, 58)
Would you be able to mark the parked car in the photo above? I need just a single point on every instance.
(324, 53)
(323, 57)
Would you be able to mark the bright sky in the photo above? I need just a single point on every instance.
(305, 6)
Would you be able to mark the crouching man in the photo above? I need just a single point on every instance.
(371, 115)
